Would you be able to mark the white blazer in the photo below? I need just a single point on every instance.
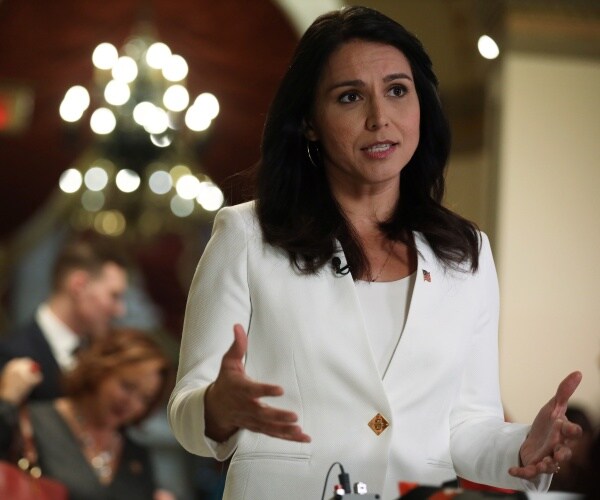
(307, 334)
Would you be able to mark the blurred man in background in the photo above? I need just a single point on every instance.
(89, 279)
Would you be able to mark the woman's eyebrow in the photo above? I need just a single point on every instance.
(360, 83)
(397, 76)
(346, 83)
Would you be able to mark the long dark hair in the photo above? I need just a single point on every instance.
(295, 207)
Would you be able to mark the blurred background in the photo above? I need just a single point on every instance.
(76, 156)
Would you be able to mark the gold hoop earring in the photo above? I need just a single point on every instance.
(310, 158)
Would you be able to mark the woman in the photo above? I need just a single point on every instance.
(371, 311)
(81, 438)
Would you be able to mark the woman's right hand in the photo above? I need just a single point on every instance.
(18, 378)
(232, 401)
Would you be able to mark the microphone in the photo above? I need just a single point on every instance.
(336, 262)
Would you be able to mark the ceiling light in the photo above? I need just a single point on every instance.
(488, 48)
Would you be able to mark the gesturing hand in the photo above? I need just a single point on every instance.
(232, 401)
(552, 436)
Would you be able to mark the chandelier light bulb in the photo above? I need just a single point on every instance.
(142, 113)
(210, 197)
(105, 56)
(209, 104)
(196, 120)
(127, 180)
(125, 69)
(117, 93)
(69, 112)
(181, 207)
(110, 222)
(175, 68)
(179, 171)
(78, 96)
(103, 121)
(75, 102)
(176, 98)
(160, 182)
(157, 55)
(92, 201)
(70, 180)
(157, 121)
(188, 187)
(161, 140)
(96, 179)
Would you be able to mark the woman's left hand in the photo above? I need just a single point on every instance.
(552, 436)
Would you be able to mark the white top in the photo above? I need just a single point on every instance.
(385, 307)
(62, 340)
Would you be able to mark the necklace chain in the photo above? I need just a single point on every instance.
(100, 459)
(389, 253)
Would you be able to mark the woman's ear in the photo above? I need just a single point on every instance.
(309, 132)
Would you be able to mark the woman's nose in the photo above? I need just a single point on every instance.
(376, 117)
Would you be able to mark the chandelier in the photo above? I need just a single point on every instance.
(140, 171)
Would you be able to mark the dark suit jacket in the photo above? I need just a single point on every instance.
(29, 341)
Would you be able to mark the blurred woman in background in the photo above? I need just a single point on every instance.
(81, 438)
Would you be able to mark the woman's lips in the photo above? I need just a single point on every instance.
(380, 150)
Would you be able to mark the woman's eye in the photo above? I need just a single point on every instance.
(349, 97)
(398, 90)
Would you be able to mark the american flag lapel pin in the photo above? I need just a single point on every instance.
(426, 276)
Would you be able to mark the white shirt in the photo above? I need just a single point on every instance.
(62, 340)
(385, 309)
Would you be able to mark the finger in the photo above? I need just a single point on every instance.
(256, 390)
(570, 430)
(528, 472)
(267, 419)
(255, 411)
(237, 350)
(567, 387)
(562, 454)
(272, 415)
(292, 434)
(531, 471)
(547, 465)
(280, 431)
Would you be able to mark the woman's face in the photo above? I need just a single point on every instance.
(125, 395)
(366, 116)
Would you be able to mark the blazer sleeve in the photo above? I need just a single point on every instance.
(483, 446)
(218, 298)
